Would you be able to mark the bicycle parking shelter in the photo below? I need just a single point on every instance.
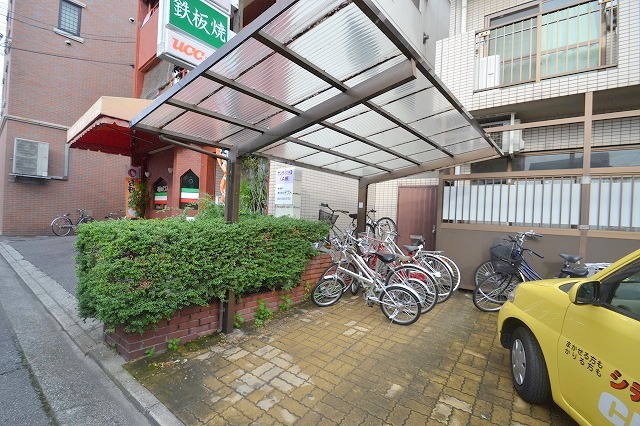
(326, 85)
(329, 85)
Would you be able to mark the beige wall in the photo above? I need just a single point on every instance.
(469, 247)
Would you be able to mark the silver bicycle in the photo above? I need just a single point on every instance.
(402, 296)
(63, 224)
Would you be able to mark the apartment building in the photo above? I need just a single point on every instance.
(556, 83)
(60, 56)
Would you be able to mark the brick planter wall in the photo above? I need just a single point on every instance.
(197, 321)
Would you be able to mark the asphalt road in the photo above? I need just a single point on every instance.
(55, 256)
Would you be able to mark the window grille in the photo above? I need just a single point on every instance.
(69, 19)
(534, 43)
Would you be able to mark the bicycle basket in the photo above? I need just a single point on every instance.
(502, 259)
(327, 217)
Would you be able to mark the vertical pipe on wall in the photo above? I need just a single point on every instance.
(463, 17)
(586, 173)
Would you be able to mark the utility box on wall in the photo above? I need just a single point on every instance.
(288, 189)
(30, 158)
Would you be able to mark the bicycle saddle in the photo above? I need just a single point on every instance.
(411, 249)
(353, 215)
(573, 258)
(390, 257)
(578, 272)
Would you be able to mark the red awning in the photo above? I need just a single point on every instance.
(105, 128)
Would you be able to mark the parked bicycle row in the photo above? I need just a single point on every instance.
(405, 283)
(496, 278)
(63, 224)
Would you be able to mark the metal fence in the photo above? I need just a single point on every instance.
(543, 201)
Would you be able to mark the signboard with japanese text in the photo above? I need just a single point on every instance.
(191, 30)
(284, 186)
(185, 48)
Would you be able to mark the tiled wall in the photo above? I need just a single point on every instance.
(385, 194)
(342, 193)
(455, 60)
(339, 192)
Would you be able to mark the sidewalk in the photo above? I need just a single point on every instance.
(82, 381)
(343, 364)
(346, 364)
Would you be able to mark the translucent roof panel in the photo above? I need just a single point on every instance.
(326, 84)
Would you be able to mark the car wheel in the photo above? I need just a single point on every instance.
(528, 369)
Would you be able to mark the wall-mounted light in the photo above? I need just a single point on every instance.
(147, 174)
(132, 20)
(67, 42)
(170, 170)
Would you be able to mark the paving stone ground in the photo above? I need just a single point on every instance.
(346, 364)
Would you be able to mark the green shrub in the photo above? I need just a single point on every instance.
(262, 314)
(135, 273)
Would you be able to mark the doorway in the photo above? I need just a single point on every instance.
(417, 214)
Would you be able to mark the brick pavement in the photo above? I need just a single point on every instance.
(346, 364)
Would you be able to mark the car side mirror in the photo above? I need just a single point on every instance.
(585, 293)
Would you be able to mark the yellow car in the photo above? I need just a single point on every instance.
(578, 340)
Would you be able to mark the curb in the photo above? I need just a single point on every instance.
(87, 336)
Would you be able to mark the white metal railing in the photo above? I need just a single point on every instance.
(543, 201)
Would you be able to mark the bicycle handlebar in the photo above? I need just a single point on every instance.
(533, 252)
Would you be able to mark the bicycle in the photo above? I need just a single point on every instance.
(63, 224)
(380, 227)
(401, 296)
(115, 215)
(510, 268)
(417, 246)
(331, 218)
(437, 269)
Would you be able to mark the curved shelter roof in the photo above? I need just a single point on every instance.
(323, 84)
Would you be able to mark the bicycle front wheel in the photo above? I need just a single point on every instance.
(350, 282)
(440, 272)
(491, 293)
(418, 279)
(482, 272)
(61, 226)
(399, 305)
(327, 291)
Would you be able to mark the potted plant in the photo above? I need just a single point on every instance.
(138, 199)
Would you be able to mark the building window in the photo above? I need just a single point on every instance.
(546, 39)
(69, 19)
(569, 160)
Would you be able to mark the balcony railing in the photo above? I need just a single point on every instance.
(543, 201)
(571, 39)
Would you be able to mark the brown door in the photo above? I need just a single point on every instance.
(417, 214)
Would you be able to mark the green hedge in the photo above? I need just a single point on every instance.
(137, 272)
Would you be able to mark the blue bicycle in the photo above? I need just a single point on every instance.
(508, 267)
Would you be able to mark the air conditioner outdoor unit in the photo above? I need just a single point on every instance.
(487, 73)
(30, 158)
